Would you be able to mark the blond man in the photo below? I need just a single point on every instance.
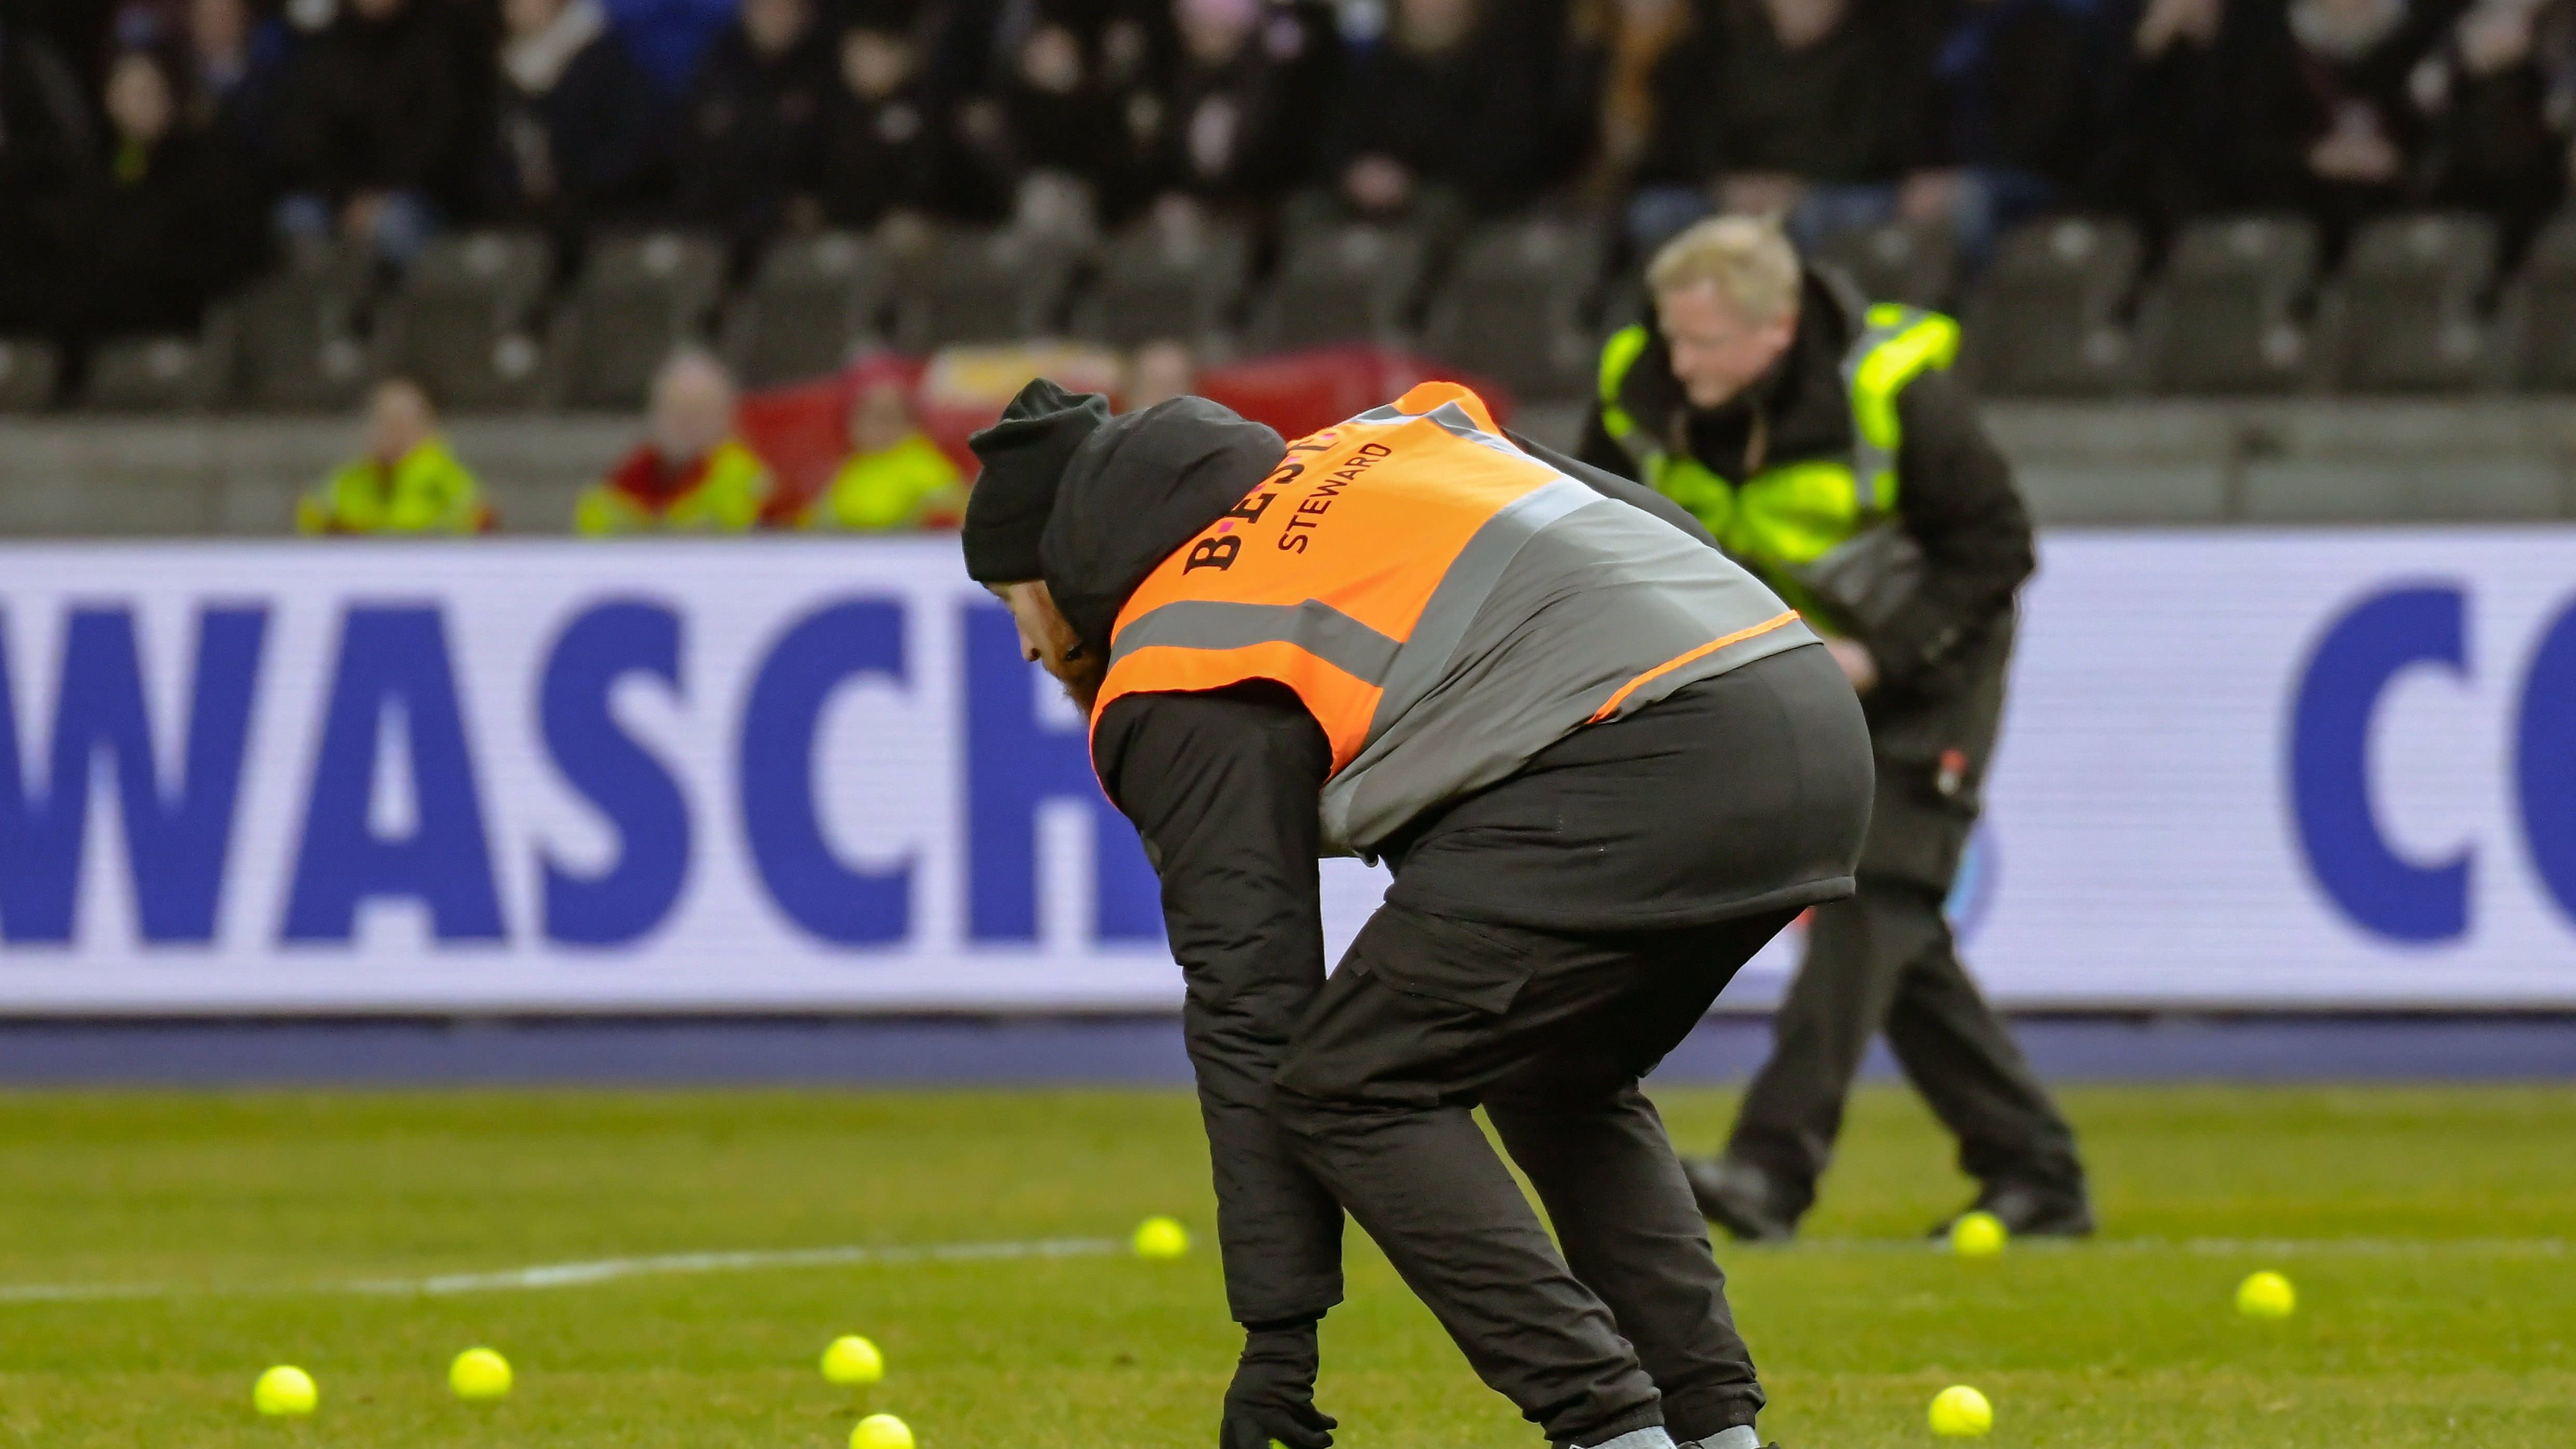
(1821, 438)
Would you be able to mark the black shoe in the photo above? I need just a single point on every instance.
(2027, 1211)
(1740, 1198)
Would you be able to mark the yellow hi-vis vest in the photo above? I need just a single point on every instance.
(726, 498)
(1786, 517)
(909, 485)
(1444, 604)
(426, 491)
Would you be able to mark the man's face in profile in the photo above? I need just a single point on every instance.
(1047, 638)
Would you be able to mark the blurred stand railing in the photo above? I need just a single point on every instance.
(2169, 462)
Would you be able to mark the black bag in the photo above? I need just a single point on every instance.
(1868, 578)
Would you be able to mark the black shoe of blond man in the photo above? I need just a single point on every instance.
(1741, 1198)
(2028, 1210)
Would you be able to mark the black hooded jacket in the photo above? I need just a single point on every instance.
(1606, 830)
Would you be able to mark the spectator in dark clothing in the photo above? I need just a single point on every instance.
(2167, 152)
(1438, 114)
(581, 127)
(165, 225)
(669, 38)
(48, 144)
(84, 33)
(1047, 132)
(1818, 109)
(2323, 109)
(750, 139)
(882, 141)
(2011, 95)
(240, 63)
(375, 133)
(1229, 133)
(1619, 47)
(2486, 93)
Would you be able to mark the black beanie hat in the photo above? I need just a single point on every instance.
(1024, 456)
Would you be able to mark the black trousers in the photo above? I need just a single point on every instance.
(1430, 1016)
(1884, 961)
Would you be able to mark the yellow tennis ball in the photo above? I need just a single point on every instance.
(284, 1391)
(479, 1374)
(853, 1360)
(881, 1431)
(1978, 1235)
(1960, 1412)
(2266, 1295)
(1161, 1238)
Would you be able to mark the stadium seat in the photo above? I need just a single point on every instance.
(465, 322)
(968, 286)
(1897, 261)
(2542, 308)
(1345, 282)
(153, 375)
(1179, 281)
(1517, 307)
(643, 294)
(294, 341)
(2046, 317)
(27, 374)
(814, 303)
(2226, 318)
(2405, 314)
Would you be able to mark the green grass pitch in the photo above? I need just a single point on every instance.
(2426, 1231)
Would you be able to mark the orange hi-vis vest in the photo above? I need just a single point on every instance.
(1444, 604)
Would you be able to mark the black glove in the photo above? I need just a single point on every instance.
(1273, 1393)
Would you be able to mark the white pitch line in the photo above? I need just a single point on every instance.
(604, 1270)
(570, 1275)
(2219, 1247)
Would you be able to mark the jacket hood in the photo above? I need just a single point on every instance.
(1140, 487)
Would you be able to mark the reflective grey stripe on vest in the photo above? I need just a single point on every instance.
(1314, 626)
(1868, 459)
(1452, 418)
(1462, 591)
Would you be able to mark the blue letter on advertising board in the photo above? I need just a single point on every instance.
(2330, 765)
(393, 659)
(621, 779)
(177, 839)
(813, 658)
(1014, 764)
(2545, 760)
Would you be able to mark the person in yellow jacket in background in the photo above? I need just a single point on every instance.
(406, 482)
(895, 476)
(693, 474)
(1820, 437)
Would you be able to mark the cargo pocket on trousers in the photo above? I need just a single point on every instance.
(1460, 963)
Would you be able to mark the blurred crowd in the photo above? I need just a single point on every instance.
(155, 152)
(693, 471)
